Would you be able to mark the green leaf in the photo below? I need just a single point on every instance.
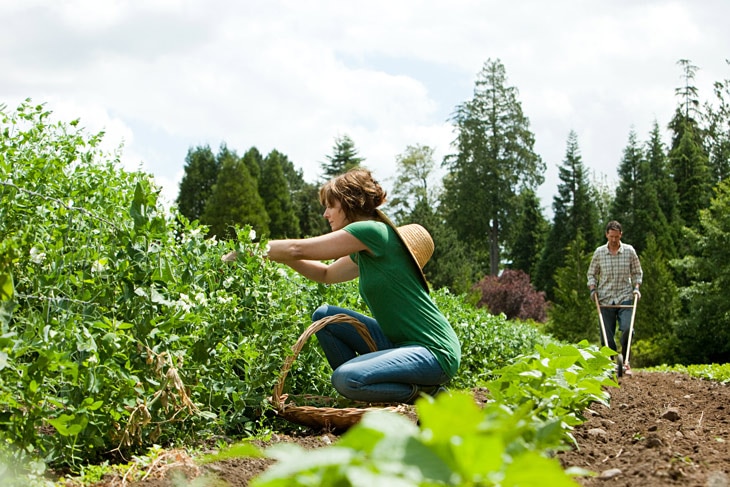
(6, 286)
(532, 468)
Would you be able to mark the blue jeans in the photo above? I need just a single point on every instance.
(610, 317)
(391, 374)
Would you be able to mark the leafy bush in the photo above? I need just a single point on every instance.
(512, 294)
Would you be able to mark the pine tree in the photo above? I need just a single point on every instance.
(704, 332)
(573, 315)
(574, 212)
(529, 233)
(201, 173)
(344, 157)
(657, 311)
(636, 204)
(495, 159)
(666, 193)
(254, 162)
(687, 157)
(274, 190)
(235, 201)
(717, 118)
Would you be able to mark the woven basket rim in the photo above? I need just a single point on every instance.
(323, 416)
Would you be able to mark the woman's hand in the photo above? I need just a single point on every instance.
(230, 257)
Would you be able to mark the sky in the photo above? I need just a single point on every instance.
(161, 77)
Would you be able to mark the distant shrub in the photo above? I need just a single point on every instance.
(512, 294)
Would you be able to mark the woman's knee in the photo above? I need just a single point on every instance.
(321, 312)
(343, 382)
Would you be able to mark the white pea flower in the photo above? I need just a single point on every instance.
(200, 298)
(252, 235)
(224, 299)
(184, 302)
(227, 282)
(282, 272)
(98, 266)
(36, 256)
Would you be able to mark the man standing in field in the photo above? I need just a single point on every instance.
(614, 277)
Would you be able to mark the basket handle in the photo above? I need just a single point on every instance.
(360, 327)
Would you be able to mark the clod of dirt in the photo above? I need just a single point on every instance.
(671, 414)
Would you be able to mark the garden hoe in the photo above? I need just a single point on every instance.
(619, 357)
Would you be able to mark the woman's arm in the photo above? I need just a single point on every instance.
(305, 256)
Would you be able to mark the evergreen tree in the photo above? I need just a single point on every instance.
(201, 173)
(305, 200)
(718, 131)
(274, 190)
(704, 333)
(602, 193)
(495, 159)
(254, 162)
(235, 201)
(574, 212)
(636, 204)
(657, 312)
(626, 205)
(573, 315)
(344, 157)
(529, 232)
(687, 157)
(666, 193)
(691, 174)
(309, 211)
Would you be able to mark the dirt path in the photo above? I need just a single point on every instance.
(661, 430)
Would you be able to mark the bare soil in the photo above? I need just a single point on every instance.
(662, 429)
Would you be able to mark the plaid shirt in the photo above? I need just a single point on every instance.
(614, 276)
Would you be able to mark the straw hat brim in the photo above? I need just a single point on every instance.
(416, 240)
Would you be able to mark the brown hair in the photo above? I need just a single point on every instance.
(613, 225)
(356, 190)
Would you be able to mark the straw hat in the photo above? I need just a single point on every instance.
(418, 242)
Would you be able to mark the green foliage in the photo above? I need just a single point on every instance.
(714, 372)
(276, 194)
(196, 186)
(343, 158)
(573, 315)
(536, 402)
(703, 332)
(234, 201)
(488, 342)
(414, 186)
(527, 238)
(574, 212)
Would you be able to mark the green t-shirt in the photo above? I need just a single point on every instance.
(391, 287)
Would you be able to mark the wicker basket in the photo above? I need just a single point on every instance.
(329, 418)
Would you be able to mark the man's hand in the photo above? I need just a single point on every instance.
(637, 293)
(594, 294)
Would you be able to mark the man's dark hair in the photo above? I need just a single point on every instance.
(613, 225)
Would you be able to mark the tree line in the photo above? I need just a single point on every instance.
(671, 198)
